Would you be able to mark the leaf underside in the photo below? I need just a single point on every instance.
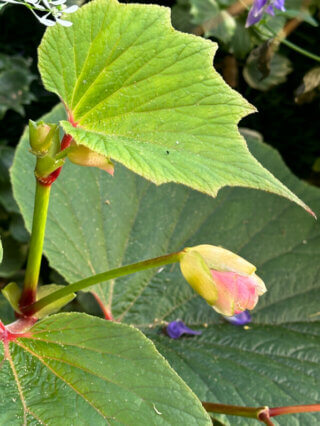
(148, 97)
(97, 222)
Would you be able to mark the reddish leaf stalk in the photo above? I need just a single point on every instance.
(265, 418)
(263, 414)
(278, 411)
(106, 313)
(19, 328)
(71, 119)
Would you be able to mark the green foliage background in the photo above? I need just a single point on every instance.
(284, 334)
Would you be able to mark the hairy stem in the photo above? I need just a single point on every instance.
(41, 204)
(104, 276)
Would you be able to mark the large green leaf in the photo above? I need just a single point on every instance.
(77, 369)
(262, 365)
(97, 222)
(148, 97)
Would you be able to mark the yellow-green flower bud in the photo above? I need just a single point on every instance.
(225, 280)
(83, 156)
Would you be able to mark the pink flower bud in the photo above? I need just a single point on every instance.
(225, 280)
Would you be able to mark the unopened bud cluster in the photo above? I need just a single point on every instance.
(51, 154)
(45, 144)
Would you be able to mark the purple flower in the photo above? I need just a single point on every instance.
(176, 329)
(240, 319)
(263, 6)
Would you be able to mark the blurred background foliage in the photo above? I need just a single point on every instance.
(282, 83)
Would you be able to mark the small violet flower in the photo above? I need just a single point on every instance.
(225, 280)
(176, 329)
(263, 6)
(240, 319)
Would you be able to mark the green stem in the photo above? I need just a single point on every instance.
(104, 276)
(63, 154)
(300, 50)
(41, 204)
(289, 43)
(235, 410)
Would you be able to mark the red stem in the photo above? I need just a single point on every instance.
(263, 414)
(265, 418)
(28, 297)
(106, 313)
(278, 411)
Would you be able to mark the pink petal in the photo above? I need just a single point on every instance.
(236, 293)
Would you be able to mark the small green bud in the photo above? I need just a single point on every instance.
(45, 144)
(43, 138)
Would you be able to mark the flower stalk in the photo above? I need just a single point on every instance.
(98, 278)
(235, 410)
